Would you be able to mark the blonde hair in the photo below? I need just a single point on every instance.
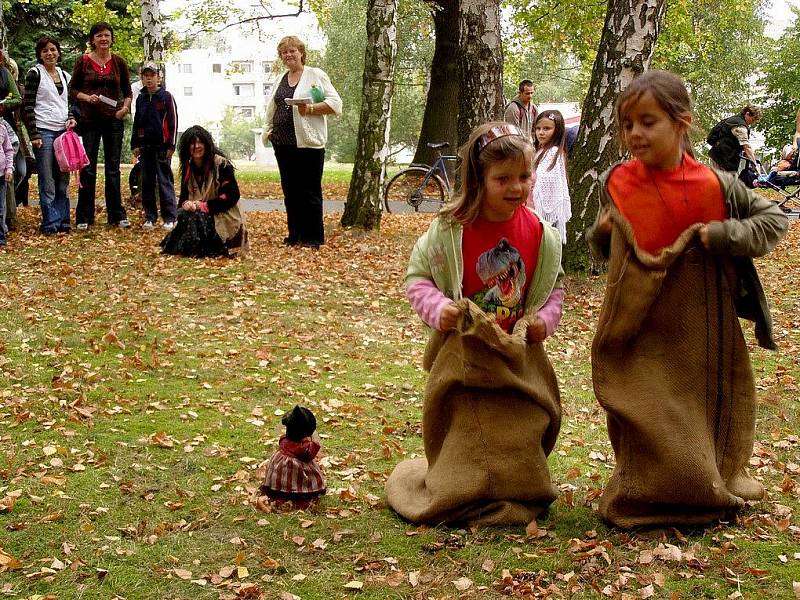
(475, 159)
(293, 41)
(670, 94)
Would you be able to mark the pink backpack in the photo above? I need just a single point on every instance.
(69, 152)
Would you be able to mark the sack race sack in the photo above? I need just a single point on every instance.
(490, 418)
(670, 366)
(69, 152)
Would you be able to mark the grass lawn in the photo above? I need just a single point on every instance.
(141, 394)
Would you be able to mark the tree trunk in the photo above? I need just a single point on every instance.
(480, 65)
(3, 31)
(151, 33)
(363, 206)
(439, 123)
(625, 50)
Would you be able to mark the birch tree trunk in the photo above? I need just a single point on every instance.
(439, 123)
(480, 65)
(625, 50)
(151, 33)
(363, 206)
(3, 30)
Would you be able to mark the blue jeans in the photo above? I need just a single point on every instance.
(156, 171)
(110, 132)
(53, 199)
(3, 230)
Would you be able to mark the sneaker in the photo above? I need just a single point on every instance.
(148, 225)
(82, 226)
(169, 225)
(124, 224)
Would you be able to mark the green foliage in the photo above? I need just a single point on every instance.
(781, 84)
(69, 23)
(713, 44)
(345, 28)
(556, 53)
(125, 18)
(236, 138)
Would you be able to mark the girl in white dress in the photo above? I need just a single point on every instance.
(550, 192)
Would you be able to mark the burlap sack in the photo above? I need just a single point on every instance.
(490, 417)
(671, 368)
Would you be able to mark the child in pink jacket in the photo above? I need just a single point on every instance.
(7, 168)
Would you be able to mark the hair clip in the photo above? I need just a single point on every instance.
(497, 132)
(551, 116)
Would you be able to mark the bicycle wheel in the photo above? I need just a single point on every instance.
(407, 186)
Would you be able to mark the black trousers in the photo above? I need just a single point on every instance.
(109, 131)
(157, 172)
(301, 180)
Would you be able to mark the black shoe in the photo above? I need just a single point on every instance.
(290, 241)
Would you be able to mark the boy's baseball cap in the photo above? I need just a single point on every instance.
(150, 66)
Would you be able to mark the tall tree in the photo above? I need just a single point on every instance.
(3, 31)
(625, 50)
(346, 68)
(369, 172)
(781, 87)
(439, 122)
(480, 65)
(151, 32)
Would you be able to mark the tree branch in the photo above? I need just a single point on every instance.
(256, 19)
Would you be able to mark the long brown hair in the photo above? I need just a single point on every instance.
(669, 92)
(559, 139)
(476, 157)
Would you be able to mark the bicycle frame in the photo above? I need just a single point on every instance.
(439, 165)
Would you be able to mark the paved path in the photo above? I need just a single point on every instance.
(262, 205)
(328, 206)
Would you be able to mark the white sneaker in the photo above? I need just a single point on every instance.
(124, 224)
(148, 225)
(82, 226)
(169, 225)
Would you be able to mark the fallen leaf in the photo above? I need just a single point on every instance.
(354, 585)
(464, 583)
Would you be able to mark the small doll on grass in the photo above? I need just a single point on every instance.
(293, 474)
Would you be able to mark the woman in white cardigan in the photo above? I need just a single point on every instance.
(298, 131)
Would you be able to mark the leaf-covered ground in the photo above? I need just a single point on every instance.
(141, 393)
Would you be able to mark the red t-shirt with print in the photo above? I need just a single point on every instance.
(499, 262)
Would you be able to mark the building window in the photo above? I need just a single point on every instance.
(242, 66)
(267, 66)
(246, 112)
(267, 89)
(187, 91)
(244, 89)
(216, 68)
(185, 68)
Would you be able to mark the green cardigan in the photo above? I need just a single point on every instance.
(437, 257)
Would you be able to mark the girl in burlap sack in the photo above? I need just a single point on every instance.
(293, 474)
(487, 278)
(669, 362)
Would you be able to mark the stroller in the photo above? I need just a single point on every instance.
(779, 179)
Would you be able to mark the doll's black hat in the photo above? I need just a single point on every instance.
(300, 423)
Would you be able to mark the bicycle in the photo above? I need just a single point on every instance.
(420, 185)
